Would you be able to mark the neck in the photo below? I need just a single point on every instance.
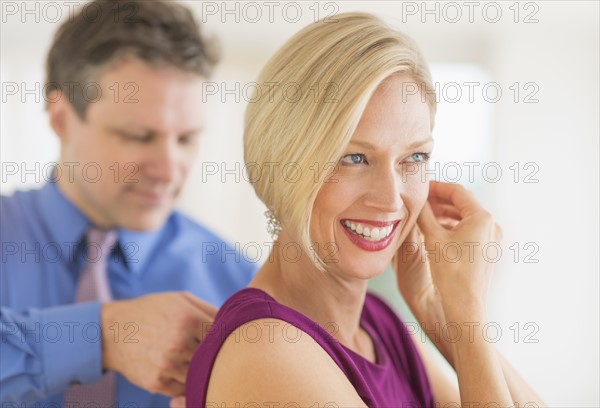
(333, 301)
(68, 187)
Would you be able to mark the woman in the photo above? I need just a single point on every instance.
(338, 152)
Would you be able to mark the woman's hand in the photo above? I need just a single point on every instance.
(456, 227)
(445, 279)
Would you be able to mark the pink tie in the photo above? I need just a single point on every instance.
(93, 285)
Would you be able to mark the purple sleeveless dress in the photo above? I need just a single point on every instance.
(396, 379)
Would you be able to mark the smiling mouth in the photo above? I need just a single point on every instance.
(369, 232)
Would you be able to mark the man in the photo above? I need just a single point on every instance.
(124, 97)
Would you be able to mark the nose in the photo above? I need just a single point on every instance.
(385, 190)
(162, 165)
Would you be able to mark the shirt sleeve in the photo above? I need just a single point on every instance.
(44, 351)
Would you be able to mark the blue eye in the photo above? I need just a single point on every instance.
(354, 158)
(420, 157)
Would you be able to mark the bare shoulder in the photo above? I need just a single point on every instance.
(269, 361)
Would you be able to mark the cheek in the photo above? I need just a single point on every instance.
(416, 192)
(330, 204)
(336, 196)
(96, 147)
(79, 142)
(188, 158)
(321, 211)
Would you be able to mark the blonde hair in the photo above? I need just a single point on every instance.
(291, 138)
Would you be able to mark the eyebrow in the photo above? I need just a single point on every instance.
(371, 146)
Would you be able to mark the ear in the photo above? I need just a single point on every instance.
(59, 109)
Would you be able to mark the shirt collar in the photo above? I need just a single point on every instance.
(138, 247)
(67, 225)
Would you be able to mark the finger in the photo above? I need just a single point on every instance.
(445, 211)
(413, 238)
(456, 195)
(178, 371)
(433, 199)
(201, 334)
(427, 221)
(201, 330)
(448, 223)
(191, 344)
(172, 377)
(205, 307)
(180, 354)
(173, 388)
(499, 234)
(409, 247)
(206, 314)
(177, 402)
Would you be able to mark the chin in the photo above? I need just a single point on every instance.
(365, 270)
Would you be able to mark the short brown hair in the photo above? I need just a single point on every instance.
(161, 33)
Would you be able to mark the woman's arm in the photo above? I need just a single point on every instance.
(478, 369)
(520, 391)
(445, 391)
(442, 294)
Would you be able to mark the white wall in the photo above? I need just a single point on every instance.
(558, 55)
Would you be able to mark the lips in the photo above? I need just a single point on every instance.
(370, 235)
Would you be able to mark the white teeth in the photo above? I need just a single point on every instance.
(370, 234)
(375, 233)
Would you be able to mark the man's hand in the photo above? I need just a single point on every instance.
(151, 339)
(177, 402)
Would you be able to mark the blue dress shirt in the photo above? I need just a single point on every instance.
(48, 341)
